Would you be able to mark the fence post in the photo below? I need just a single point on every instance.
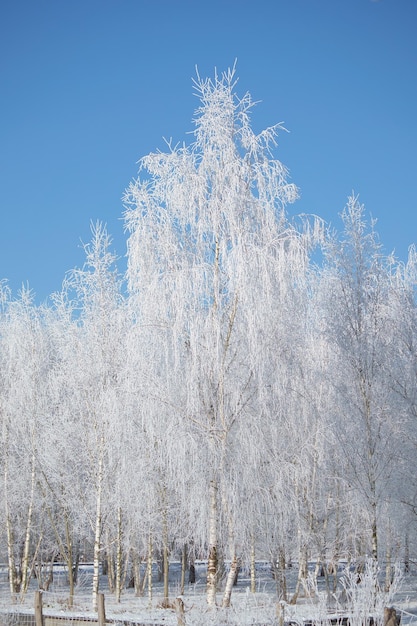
(100, 609)
(38, 608)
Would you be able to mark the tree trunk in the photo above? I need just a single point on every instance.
(230, 581)
(97, 529)
(65, 549)
(50, 577)
(165, 553)
(388, 568)
(231, 578)
(183, 568)
(25, 559)
(282, 575)
(119, 555)
(69, 558)
(406, 555)
(252, 567)
(374, 533)
(191, 573)
(109, 569)
(212, 557)
(139, 582)
(13, 582)
(302, 574)
(278, 572)
(335, 559)
(149, 570)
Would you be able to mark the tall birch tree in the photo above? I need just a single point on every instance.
(357, 285)
(96, 379)
(208, 235)
(25, 363)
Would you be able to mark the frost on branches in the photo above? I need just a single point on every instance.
(246, 392)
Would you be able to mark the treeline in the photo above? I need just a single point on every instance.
(247, 390)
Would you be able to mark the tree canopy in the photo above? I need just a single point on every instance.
(244, 391)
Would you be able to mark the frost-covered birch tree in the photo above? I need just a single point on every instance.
(402, 327)
(357, 286)
(208, 236)
(96, 377)
(62, 462)
(25, 362)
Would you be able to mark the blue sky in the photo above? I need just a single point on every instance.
(88, 87)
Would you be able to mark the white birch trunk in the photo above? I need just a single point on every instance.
(252, 567)
(302, 573)
(406, 554)
(230, 581)
(282, 575)
(69, 558)
(165, 549)
(97, 529)
(119, 555)
(212, 557)
(139, 582)
(336, 552)
(231, 577)
(25, 560)
(374, 527)
(165, 558)
(9, 527)
(149, 572)
(10, 553)
(183, 568)
(388, 567)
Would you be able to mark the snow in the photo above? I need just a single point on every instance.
(259, 609)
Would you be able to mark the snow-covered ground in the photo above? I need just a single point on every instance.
(260, 608)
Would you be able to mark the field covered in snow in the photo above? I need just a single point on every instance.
(352, 599)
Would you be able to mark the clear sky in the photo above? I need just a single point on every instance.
(88, 87)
